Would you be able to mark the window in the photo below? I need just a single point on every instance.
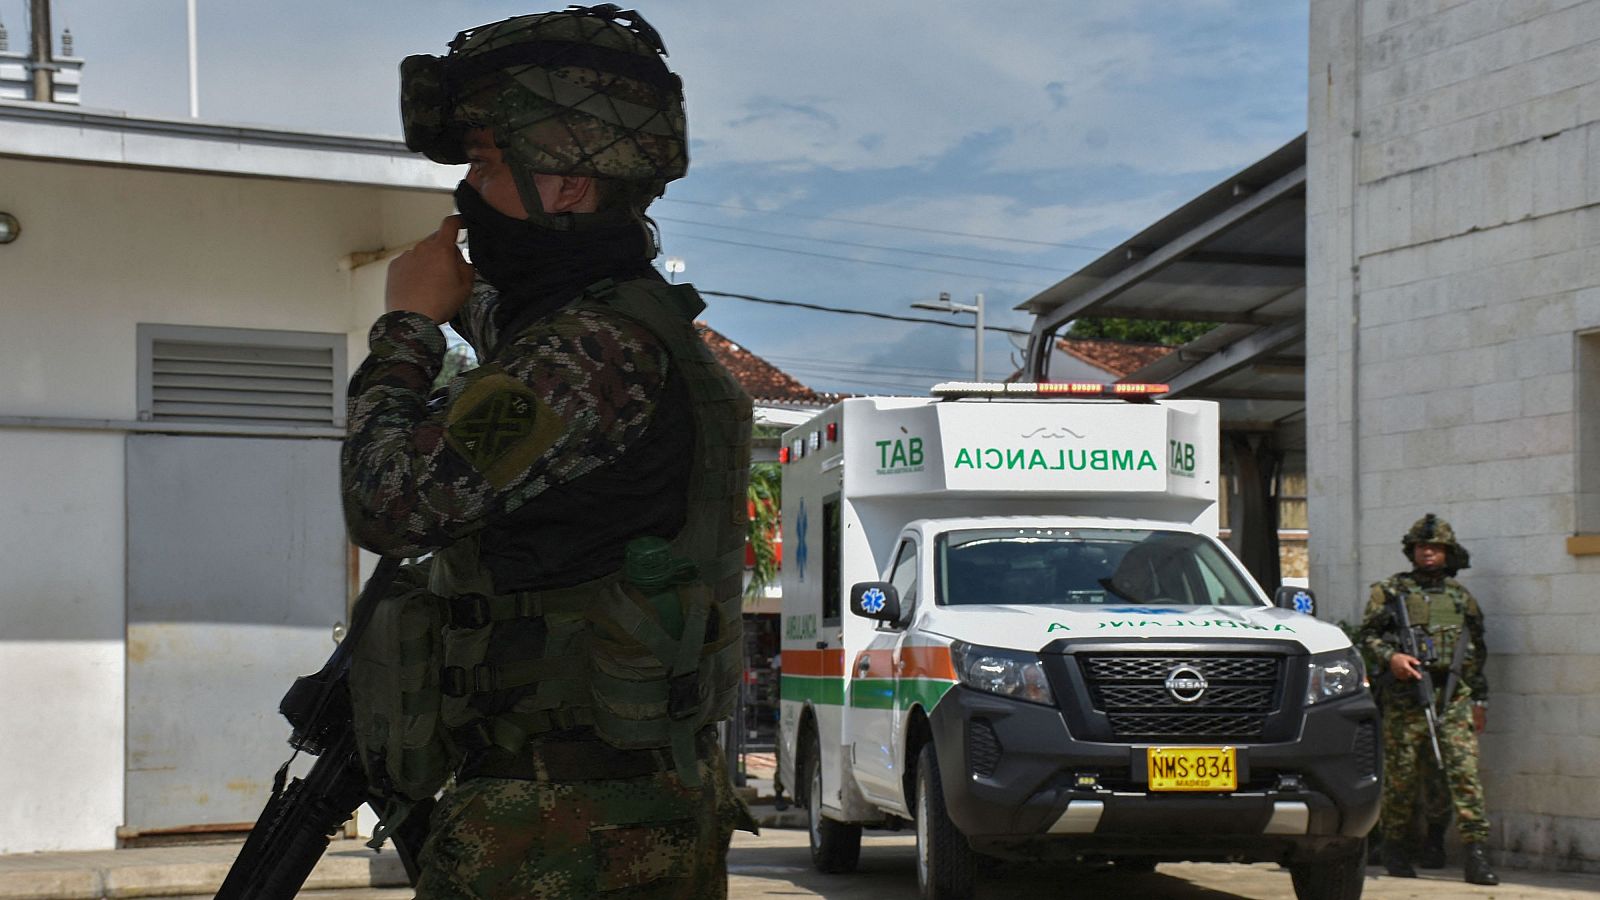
(1085, 566)
(904, 577)
(832, 538)
(241, 376)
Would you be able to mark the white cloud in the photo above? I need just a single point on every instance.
(854, 86)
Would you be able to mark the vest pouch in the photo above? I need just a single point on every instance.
(635, 695)
(396, 697)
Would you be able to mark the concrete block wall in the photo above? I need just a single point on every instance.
(1453, 223)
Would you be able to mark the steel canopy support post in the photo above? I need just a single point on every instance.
(1253, 515)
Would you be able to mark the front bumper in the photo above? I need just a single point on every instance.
(1314, 795)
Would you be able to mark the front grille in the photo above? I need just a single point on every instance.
(1365, 750)
(983, 747)
(1131, 690)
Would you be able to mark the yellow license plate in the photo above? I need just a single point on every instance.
(1193, 769)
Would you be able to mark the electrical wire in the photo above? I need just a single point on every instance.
(865, 262)
(965, 234)
(859, 312)
(801, 237)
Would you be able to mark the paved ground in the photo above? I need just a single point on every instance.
(773, 865)
(778, 864)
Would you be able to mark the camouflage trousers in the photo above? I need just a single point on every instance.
(639, 838)
(1405, 743)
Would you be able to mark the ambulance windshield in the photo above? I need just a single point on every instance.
(1091, 566)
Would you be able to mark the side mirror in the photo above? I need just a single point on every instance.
(1299, 599)
(875, 600)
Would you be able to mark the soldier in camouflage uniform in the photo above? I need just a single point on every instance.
(1444, 616)
(577, 706)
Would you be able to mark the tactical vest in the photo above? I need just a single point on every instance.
(645, 656)
(1440, 610)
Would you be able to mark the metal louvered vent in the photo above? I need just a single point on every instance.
(241, 376)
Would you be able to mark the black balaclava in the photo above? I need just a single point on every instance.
(538, 268)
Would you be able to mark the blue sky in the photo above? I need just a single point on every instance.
(1055, 130)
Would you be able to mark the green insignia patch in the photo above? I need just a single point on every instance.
(500, 426)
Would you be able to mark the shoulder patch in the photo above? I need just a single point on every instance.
(500, 426)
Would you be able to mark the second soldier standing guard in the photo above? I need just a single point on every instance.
(1446, 630)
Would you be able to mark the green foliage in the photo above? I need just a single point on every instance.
(1145, 331)
(765, 493)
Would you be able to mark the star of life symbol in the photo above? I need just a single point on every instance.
(801, 527)
(1302, 602)
(872, 600)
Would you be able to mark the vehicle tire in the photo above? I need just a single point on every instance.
(1334, 879)
(835, 846)
(946, 863)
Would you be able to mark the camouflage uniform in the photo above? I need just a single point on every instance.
(417, 477)
(1404, 723)
(518, 472)
(615, 838)
(1445, 614)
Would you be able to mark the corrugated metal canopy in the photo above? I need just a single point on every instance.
(1234, 255)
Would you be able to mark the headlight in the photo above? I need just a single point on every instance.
(1338, 673)
(1008, 673)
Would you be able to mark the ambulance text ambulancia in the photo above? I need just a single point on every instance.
(1008, 621)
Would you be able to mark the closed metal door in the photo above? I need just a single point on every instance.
(236, 577)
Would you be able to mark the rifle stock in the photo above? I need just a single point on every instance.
(300, 818)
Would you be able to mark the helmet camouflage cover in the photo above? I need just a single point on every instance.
(1430, 529)
(584, 91)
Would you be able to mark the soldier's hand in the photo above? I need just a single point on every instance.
(430, 278)
(1405, 667)
(1480, 719)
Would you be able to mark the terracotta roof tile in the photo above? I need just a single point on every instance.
(761, 379)
(1120, 358)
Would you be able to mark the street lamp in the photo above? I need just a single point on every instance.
(674, 266)
(945, 305)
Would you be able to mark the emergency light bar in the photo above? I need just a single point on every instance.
(958, 390)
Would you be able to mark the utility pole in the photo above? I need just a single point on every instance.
(41, 60)
(945, 305)
(194, 66)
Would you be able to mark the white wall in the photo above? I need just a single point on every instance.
(1453, 216)
(102, 250)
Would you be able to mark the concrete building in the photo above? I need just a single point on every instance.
(1453, 357)
(183, 303)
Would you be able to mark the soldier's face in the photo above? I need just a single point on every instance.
(490, 176)
(1428, 556)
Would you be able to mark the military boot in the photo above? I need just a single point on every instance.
(1432, 855)
(1395, 860)
(1477, 866)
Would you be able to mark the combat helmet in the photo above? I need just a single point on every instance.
(584, 91)
(1430, 529)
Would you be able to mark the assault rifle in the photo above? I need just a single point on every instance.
(298, 820)
(1411, 646)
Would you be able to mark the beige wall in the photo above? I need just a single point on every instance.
(102, 250)
(1452, 263)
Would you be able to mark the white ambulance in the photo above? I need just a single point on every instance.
(1007, 621)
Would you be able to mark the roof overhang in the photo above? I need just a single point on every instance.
(1234, 255)
(53, 133)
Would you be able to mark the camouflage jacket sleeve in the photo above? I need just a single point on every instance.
(475, 321)
(569, 396)
(1472, 670)
(1376, 635)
